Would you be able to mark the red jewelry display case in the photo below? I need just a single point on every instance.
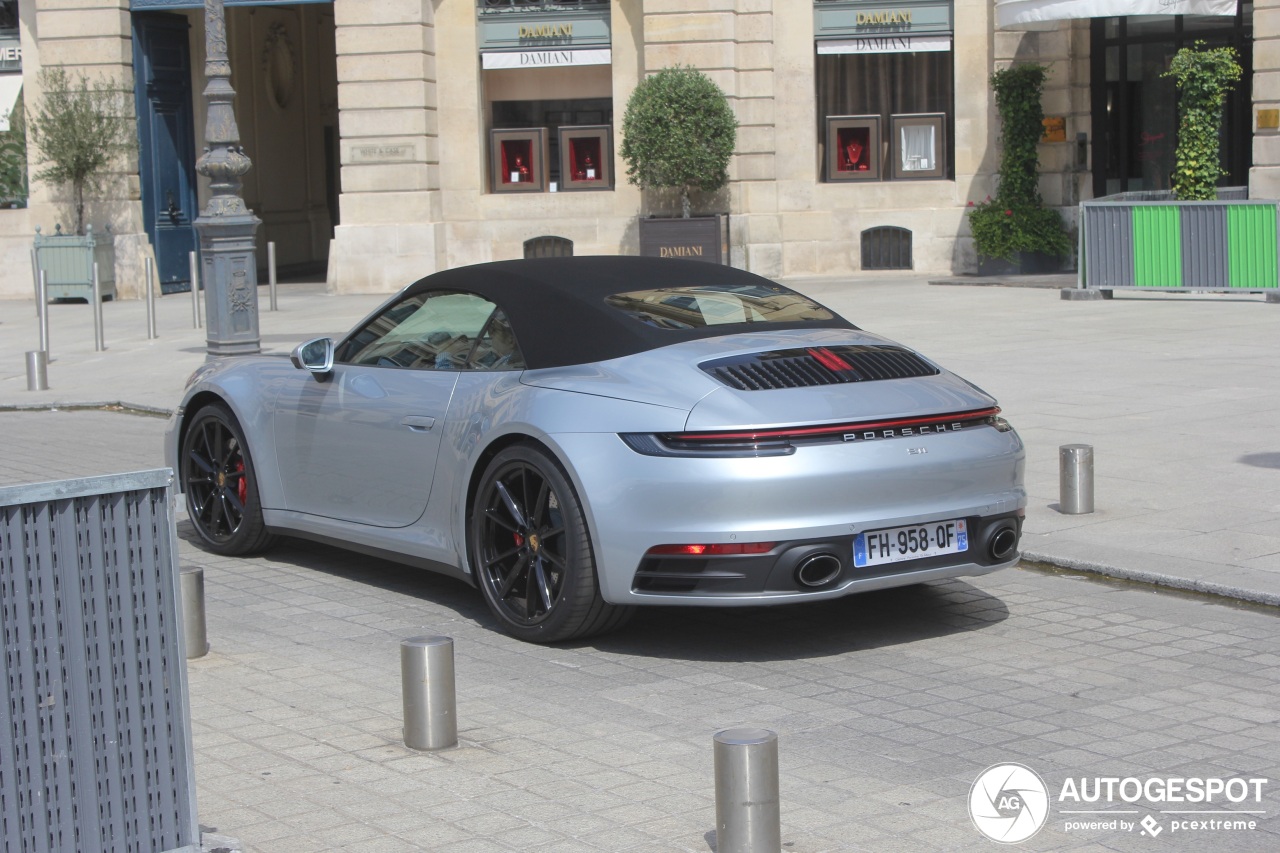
(853, 148)
(518, 160)
(586, 157)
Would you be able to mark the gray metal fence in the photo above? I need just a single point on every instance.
(95, 732)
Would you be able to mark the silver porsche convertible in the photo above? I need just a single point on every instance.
(577, 436)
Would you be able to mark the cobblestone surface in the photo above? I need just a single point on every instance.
(887, 705)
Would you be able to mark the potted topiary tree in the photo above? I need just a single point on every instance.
(78, 130)
(678, 133)
(1014, 232)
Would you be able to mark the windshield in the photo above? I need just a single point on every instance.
(695, 307)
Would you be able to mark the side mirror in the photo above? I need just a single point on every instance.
(315, 356)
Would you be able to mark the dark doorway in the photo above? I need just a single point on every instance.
(166, 151)
(1135, 119)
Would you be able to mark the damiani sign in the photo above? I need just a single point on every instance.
(885, 44)
(545, 58)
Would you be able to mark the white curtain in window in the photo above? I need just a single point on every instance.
(918, 147)
(1011, 13)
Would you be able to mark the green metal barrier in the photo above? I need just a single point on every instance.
(1224, 245)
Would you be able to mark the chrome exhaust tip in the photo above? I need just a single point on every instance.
(818, 570)
(1003, 543)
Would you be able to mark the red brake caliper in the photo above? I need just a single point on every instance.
(242, 487)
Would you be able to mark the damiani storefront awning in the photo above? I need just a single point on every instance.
(1012, 13)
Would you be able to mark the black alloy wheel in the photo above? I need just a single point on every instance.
(220, 483)
(532, 552)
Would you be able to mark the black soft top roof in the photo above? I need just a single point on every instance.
(558, 312)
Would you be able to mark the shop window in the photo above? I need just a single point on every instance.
(577, 141)
(910, 94)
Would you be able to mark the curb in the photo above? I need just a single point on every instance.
(113, 406)
(1251, 596)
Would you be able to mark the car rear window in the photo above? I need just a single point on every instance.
(695, 306)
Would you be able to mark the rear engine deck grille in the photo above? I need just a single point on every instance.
(805, 368)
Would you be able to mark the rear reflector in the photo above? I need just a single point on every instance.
(719, 550)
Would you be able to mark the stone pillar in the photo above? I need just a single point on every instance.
(389, 120)
(1264, 177)
(93, 38)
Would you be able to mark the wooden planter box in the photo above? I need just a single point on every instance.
(698, 238)
(1223, 245)
(67, 261)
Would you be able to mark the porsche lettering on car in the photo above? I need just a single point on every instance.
(577, 437)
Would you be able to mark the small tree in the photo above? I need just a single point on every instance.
(1016, 220)
(78, 129)
(678, 132)
(1204, 77)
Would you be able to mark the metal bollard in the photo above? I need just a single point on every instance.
(194, 267)
(430, 702)
(271, 274)
(99, 340)
(42, 311)
(151, 299)
(37, 370)
(35, 274)
(747, 810)
(1075, 479)
(191, 579)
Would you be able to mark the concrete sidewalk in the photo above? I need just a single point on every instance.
(1176, 392)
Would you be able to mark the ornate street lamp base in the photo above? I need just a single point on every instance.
(230, 272)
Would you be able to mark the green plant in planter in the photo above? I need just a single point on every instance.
(678, 132)
(1204, 77)
(79, 128)
(1016, 220)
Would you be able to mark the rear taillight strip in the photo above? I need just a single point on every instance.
(832, 429)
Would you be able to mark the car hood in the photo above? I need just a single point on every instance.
(671, 377)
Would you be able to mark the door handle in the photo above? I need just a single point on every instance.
(418, 423)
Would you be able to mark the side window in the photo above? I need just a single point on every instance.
(425, 331)
(497, 348)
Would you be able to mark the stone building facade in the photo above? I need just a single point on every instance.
(371, 124)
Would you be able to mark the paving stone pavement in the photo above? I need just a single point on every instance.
(887, 705)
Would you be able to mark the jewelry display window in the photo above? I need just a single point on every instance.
(853, 148)
(518, 160)
(586, 157)
(919, 145)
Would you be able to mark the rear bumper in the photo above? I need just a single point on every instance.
(802, 568)
(814, 501)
